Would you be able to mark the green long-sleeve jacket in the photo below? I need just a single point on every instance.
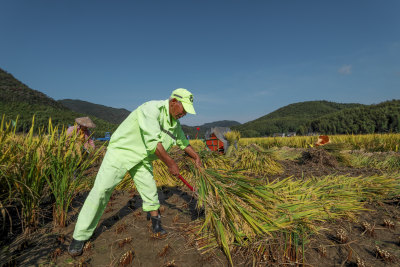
(136, 139)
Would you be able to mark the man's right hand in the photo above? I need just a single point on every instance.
(163, 155)
(173, 168)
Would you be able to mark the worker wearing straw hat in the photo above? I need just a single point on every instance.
(82, 130)
(145, 135)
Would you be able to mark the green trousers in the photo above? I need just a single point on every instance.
(107, 179)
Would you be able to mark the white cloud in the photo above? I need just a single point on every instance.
(345, 69)
(263, 93)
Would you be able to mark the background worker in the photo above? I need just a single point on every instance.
(145, 135)
(81, 128)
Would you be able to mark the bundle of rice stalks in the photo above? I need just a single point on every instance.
(126, 183)
(214, 160)
(162, 175)
(232, 137)
(250, 160)
(160, 172)
(254, 160)
(197, 145)
(235, 209)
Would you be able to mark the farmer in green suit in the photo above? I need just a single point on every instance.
(145, 135)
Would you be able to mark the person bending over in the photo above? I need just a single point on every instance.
(145, 135)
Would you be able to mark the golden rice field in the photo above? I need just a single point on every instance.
(368, 142)
(248, 209)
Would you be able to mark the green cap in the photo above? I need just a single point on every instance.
(186, 98)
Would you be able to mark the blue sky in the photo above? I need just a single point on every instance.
(241, 59)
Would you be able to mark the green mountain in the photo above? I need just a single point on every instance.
(290, 118)
(112, 115)
(18, 100)
(380, 118)
(14, 91)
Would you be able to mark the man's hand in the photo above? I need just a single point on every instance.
(173, 169)
(163, 155)
(198, 163)
(190, 151)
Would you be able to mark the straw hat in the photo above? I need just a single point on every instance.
(86, 122)
(322, 140)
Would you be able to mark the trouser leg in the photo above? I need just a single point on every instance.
(107, 178)
(142, 175)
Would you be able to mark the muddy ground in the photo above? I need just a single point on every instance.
(370, 239)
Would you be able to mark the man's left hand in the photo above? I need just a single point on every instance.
(198, 163)
(190, 151)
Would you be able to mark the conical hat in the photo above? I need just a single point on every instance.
(85, 121)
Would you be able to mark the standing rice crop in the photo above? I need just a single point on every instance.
(6, 192)
(22, 168)
(67, 163)
(253, 160)
(35, 165)
(368, 142)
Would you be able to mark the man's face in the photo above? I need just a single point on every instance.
(176, 109)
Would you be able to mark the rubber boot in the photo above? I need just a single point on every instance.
(156, 224)
(157, 228)
(76, 247)
(149, 215)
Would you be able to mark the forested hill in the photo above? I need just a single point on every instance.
(380, 118)
(17, 99)
(290, 118)
(13, 90)
(112, 115)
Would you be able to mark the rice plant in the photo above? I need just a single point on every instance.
(22, 168)
(66, 166)
(35, 165)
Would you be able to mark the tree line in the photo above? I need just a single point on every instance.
(380, 118)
